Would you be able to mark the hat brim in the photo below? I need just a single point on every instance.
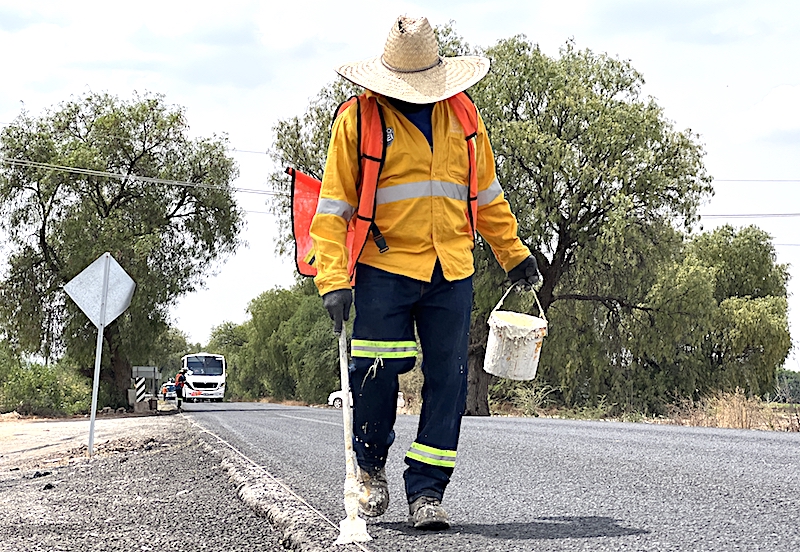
(451, 76)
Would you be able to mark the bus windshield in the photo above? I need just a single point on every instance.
(204, 365)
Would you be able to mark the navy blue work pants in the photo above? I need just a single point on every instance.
(388, 306)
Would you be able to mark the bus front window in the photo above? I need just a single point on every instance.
(204, 366)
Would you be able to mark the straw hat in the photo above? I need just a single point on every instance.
(411, 68)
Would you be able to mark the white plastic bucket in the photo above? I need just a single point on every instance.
(515, 343)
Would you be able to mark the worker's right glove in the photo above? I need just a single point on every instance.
(525, 273)
(338, 304)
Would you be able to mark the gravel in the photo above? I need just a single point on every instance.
(160, 484)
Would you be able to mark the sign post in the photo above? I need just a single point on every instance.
(103, 291)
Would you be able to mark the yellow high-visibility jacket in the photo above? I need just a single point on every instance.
(421, 201)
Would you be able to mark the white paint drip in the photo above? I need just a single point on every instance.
(352, 529)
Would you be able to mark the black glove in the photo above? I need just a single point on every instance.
(338, 304)
(525, 273)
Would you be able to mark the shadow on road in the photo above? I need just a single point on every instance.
(563, 527)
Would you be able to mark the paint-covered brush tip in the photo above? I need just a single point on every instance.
(352, 530)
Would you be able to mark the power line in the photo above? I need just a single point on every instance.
(250, 151)
(756, 180)
(105, 174)
(754, 215)
(258, 212)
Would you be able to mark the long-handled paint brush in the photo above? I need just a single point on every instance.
(352, 528)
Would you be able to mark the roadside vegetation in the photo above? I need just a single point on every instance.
(651, 318)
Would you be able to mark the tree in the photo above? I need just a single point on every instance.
(285, 350)
(788, 386)
(574, 139)
(678, 337)
(231, 340)
(575, 142)
(167, 349)
(62, 210)
(750, 338)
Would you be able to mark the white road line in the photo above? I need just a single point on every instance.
(309, 420)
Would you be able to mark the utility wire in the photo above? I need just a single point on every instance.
(754, 215)
(755, 180)
(250, 151)
(91, 172)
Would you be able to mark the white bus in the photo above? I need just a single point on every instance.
(205, 377)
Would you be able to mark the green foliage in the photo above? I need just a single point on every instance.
(574, 140)
(302, 143)
(606, 192)
(749, 338)
(749, 343)
(45, 390)
(787, 388)
(745, 260)
(8, 360)
(167, 237)
(231, 340)
(286, 350)
(311, 349)
(166, 352)
(531, 399)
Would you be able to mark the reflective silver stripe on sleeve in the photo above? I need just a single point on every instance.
(335, 207)
(490, 194)
(426, 188)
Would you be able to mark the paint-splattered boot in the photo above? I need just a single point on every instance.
(374, 492)
(427, 513)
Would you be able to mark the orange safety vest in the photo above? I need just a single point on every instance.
(371, 155)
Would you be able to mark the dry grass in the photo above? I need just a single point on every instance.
(411, 386)
(737, 411)
(725, 410)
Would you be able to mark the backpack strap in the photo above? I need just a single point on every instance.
(467, 115)
(371, 158)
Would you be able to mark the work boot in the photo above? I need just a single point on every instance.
(427, 513)
(373, 489)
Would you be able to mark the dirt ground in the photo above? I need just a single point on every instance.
(150, 485)
(26, 442)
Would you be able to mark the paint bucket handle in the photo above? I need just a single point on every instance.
(535, 296)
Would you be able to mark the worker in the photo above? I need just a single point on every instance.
(420, 274)
(180, 382)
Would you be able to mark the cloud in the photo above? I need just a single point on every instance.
(713, 22)
(784, 137)
(231, 55)
(15, 20)
(776, 117)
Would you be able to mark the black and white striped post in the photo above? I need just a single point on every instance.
(140, 389)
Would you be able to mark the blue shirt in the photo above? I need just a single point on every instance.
(419, 114)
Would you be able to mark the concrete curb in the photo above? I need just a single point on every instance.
(300, 527)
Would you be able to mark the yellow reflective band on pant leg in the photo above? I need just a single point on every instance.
(432, 455)
(383, 349)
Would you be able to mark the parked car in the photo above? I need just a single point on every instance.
(168, 391)
(336, 399)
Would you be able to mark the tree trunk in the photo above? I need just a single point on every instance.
(119, 375)
(477, 379)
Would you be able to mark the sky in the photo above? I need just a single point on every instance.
(726, 69)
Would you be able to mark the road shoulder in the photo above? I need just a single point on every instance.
(154, 483)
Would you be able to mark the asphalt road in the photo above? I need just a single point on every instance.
(549, 485)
